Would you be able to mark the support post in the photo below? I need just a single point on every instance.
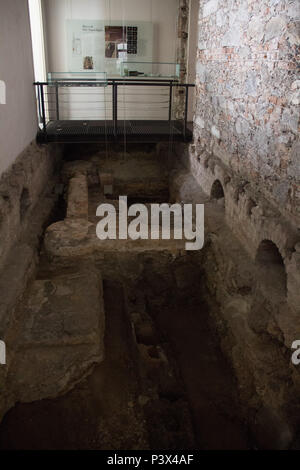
(115, 109)
(170, 101)
(38, 88)
(57, 102)
(43, 107)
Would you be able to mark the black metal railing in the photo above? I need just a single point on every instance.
(65, 100)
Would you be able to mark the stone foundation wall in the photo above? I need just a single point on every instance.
(254, 303)
(248, 94)
(256, 328)
(26, 201)
(251, 217)
(245, 157)
(21, 187)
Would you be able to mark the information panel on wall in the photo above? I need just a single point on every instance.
(94, 46)
(86, 46)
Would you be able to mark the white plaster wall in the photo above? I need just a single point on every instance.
(18, 121)
(134, 102)
(163, 13)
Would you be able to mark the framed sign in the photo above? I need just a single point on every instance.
(95, 46)
(85, 43)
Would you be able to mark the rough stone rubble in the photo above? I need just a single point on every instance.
(248, 93)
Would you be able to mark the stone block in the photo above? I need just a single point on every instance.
(215, 132)
(13, 279)
(78, 198)
(233, 37)
(210, 7)
(61, 336)
(106, 182)
(275, 27)
(106, 179)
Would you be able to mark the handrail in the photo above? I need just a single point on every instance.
(119, 81)
(115, 83)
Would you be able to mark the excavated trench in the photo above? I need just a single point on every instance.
(164, 382)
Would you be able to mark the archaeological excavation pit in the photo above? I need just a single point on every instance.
(149, 225)
(122, 344)
(129, 328)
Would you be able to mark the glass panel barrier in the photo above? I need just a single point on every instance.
(166, 70)
(77, 78)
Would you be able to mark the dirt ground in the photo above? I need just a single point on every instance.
(109, 410)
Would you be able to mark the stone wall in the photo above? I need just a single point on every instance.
(21, 187)
(245, 157)
(251, 217)
(27, 198)
(253, 293)
(247, 110)
(246, 136)
(26, 201)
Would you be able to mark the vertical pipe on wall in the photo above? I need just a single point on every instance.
(170, 101)
(38, 88)
(57, 102)
(43, 106)
(115, 107)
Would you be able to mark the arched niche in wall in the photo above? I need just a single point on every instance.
(217, 192)
(271, 266)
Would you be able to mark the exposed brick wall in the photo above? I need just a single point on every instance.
(248, 94)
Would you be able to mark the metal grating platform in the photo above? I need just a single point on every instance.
(101, 131)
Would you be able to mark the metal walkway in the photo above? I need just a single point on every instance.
(67, 106)
(101, 131)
